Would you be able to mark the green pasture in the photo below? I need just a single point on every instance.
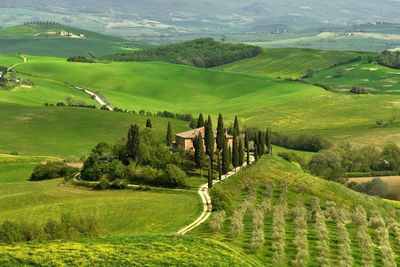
(8, 60)
(288, 62)
(67, 131)
(372, 76)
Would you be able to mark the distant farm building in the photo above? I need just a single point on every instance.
(184, 140)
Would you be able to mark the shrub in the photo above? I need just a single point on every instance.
(51, 170)
(292, 157)
(344, 242)
(81, 59)
(305, 142)
(221, 199)
(322, 243)
(359, 90)
(237, 226)
(174, 177)
(217, 221)
(382, 237)
(299, 214)
(364, 239)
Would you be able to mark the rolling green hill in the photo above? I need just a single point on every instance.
(42, 39)
(288, 62)
(291, 188)
(67, 131)
(259, 101)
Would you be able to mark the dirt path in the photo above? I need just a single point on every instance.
(206, 199)
(13, 66)
(96, 97)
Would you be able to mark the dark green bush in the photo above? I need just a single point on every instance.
(221, 200)
(52, 170)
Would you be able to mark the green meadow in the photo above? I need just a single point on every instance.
(288, 62)
(67, 131)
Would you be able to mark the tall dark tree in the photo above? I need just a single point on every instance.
(268, 142)
(246, 145)
(199, 153)
(256, 147)
(230, 153)
(241, 152)
(261, 143)
(169, 134)
(220, 142)
(225, 158)
(133, 144)
(200, 121)
(209, 143)
(236, 128)
(210, 176)
(235, 150)
(148, 124)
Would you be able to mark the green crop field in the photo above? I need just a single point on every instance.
(372, 76)
(258, 101)
(288, 62)
(301, 188)
(41, 40)
(67, 131)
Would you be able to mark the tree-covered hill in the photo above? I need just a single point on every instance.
(203, 53)
(390, 59)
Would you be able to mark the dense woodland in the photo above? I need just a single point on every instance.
(205, 53)
(390, 59)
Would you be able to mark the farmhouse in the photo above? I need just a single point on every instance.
(184, 140)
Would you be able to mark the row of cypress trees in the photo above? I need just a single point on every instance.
(226, 154)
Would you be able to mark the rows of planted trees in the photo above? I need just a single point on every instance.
(287, 228)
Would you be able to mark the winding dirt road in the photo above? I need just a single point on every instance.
(13, 66)
(206, 199)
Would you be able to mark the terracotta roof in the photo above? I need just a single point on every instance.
(191, 134)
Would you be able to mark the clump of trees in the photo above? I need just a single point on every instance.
(375, 187)
(68, 227)
(52, 170)
(364, 239)
(390, 59)
(204, 53)
(321, 232)
(236, 224)
(257, 235)
(141, 159)
(382, 239)
(359, 90)
(299, 214)
(278, 226)
(81, 59)
(305, 142)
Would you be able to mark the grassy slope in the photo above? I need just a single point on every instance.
(30, 39)
(7, 60)
(257, 100)
(374, 77)
(135, 251)
(288, 62)
(39, 201)
(64, 131)
(303, 187)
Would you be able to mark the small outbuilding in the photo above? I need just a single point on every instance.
(184, 140)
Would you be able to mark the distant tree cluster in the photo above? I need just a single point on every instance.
(359, 90)
(390, 59)
(68, 227)
(375, 187)
(81, 59)
(52, 170)
(305, 142)
(204, 53)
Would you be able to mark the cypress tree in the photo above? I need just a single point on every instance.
(225, 158)
(236, 128)
(148, 124)
(199, 153)
(268, 141)
(256, 153)
(246, 145)
(241, 152)
(261, 143)
(220, 142)
(209, 143)
(200, 121)
(169, 134)
(230, 154)
(235, 150)
(133, 143)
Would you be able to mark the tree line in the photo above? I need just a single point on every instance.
(204, 53)
(390, 59)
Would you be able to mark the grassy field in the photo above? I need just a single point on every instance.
(288, 62)
(122, 213)
(135, 251)
(301, 187)
(372, 76)
(258, 101)
(41, 40)
(67, 131)
(7, 60)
